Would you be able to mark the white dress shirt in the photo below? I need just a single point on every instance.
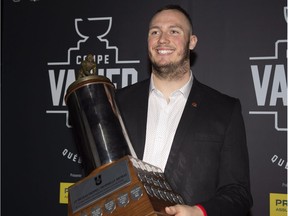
(162, 121)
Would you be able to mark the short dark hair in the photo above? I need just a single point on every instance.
(178, 8)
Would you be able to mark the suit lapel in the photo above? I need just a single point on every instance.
(186, 123)
(141, 116)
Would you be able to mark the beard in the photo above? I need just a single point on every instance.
(172, 70)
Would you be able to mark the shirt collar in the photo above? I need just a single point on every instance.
(185, 90)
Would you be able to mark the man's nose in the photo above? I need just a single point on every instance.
(163, 38)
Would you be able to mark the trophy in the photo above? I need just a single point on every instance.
(116, 182)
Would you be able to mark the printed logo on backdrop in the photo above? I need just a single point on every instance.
(94, 39)
(269, 74)
(278, 204)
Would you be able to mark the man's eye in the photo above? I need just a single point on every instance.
(154, 32)
(174, 32)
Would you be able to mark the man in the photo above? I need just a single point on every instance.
(194, 133)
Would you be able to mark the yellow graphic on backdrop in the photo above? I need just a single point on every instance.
(278, 204)
(63, 195)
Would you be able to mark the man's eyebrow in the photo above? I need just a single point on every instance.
(171, 26)
(153, 27)
(176, 26)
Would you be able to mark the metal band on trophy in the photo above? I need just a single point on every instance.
(116, 182)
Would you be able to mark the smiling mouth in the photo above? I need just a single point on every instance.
(164, 50)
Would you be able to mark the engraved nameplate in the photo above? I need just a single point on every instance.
(96, 187)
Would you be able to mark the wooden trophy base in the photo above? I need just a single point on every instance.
(126, 187)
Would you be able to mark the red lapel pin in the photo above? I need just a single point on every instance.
(194, 104)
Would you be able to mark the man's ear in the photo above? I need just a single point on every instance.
(193, 42)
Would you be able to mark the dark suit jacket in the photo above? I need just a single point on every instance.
(208, 163)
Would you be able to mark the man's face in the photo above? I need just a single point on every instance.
(170, 39)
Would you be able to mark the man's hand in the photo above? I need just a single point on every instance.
(184, 210)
